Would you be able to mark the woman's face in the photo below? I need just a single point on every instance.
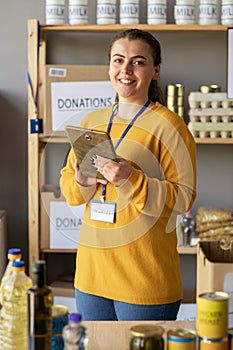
(132, 69)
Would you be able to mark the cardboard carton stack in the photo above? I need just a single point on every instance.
(215, 253)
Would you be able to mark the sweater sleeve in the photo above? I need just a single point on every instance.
(175, 191)
(74, 193)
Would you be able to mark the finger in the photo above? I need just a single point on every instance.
(102, 181)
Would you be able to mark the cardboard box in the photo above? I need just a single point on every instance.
(215, 271)
(73, 91)
(60, 222)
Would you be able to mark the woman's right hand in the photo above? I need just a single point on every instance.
(84, 180)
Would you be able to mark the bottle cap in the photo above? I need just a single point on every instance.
(188, 212)
(38, 266)
(14, 251)
(75, 317)
(18, 263)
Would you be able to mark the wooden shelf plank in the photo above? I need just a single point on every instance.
(217, 141)
(181, 250)
(210, 141)
(187, 250)
(50, 250)
(119, 27)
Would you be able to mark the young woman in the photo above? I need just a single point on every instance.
(127, 262)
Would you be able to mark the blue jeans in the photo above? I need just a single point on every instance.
(95, 308)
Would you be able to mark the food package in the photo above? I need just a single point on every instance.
(215, 224)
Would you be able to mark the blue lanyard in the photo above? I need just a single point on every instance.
(129, 126)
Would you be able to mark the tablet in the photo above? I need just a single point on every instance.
(87, 143)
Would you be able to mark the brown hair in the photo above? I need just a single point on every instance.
(154, 93)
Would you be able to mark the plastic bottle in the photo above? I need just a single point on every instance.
(14, 310)
(13, 254)
(188, 228)
(74, 334)
(40, 301)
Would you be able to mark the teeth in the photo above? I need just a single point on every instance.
(125, 81)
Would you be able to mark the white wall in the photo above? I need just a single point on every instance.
(192, 59)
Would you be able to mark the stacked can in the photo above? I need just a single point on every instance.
(60, 320)
(175, 98)
(212, 321)
(181, 339)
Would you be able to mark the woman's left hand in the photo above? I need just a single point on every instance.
(116, 172)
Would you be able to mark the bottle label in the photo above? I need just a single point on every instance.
(157, 11)
(78, 12)
(184, 12)
(227, 12)
(55, 12)
(208, 11)
(129, 10)
(106, 11)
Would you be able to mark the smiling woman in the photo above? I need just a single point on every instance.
(127, 265)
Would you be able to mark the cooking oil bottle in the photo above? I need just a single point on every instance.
(13, 254)
(14, 310)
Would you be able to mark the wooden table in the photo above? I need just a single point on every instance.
(115, 335)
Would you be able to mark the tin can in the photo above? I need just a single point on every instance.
(78, 11)
(55, 11)
(175, 89)
(230, 338)
(59, 317)
(205, 89)
(212, 315)
(212, 344)
(215, 88)
(174, 100)
(181, 339)
(57, 342)
(106, 12)
(129, 12)
(145, 337)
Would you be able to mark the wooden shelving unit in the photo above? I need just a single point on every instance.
(111, 28)
(37, 142)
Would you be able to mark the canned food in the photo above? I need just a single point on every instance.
(57, 342)
(59, 317)
(145, 337)
(174, 90)
(212, 344)
(212, 315)
(205, 89)
(181, 339)
(174, 100)
(215, 88)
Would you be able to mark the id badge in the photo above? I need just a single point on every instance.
(102, 211)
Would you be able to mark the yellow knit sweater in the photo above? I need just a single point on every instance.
(135, 259)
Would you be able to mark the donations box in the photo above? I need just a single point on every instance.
(71, 92)
(61, 223)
